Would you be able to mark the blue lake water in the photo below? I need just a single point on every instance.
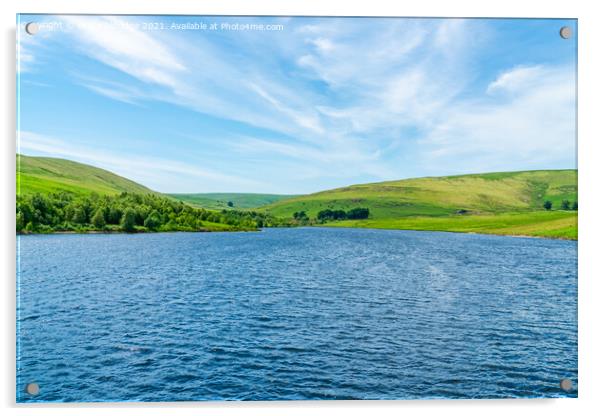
(305, 313)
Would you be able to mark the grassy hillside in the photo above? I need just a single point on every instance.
(499, 203)
(238, 200)
(442, 196)
(49, 175)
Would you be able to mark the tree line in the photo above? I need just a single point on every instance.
(565, 205)
(129, 212)
(333, 215)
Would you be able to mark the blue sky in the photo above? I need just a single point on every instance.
(318, 103)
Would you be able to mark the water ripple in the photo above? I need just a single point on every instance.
(295, 314)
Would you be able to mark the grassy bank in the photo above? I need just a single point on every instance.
(553, 224)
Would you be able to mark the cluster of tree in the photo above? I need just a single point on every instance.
(301, 217)
(130, 213)
(565, 205)
(339, 214)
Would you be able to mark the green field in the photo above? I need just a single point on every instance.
(220, 200)
(49, 175)
(499, 203)
(552, 224)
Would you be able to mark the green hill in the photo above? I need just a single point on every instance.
(238, 200)
(477, 203)
(57, 195)
(440, 196)
(49, 175)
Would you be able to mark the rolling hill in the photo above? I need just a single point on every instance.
(220, 201)
(497, 203)
(48, 175)
(58, 195)
(441, 196)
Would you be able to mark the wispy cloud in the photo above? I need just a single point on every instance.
(118, 91)
(151, 171)
(519, 78)
(32, 48)
(25, 55)
(530, 122)
(116, 43)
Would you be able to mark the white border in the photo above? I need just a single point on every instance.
(590, 199)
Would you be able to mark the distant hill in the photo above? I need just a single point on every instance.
(239, 200)
(506, 203)
(49, 175)
(442, 196)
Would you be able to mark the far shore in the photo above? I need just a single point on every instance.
(540, 237)
(133, 233)
(535, 224)
(332, 225)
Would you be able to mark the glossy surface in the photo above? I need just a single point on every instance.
(306, 313)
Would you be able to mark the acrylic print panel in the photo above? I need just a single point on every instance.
(295, 208)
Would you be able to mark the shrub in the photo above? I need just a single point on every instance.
(153, 221)
(98, 219)
(128, 220)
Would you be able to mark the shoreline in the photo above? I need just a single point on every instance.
(305, 226)
(136, 232)
(458, 232)
(554, 226)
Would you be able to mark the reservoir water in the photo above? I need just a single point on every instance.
(302, 313)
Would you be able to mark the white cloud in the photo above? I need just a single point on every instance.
(517, 79)
(24, 58)
(25, 46)
(220, 84)
(324, 45)
(391, 79)
(533, 127)
(116, 94)
(116, 43)
(347, 161)
(305, 119)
